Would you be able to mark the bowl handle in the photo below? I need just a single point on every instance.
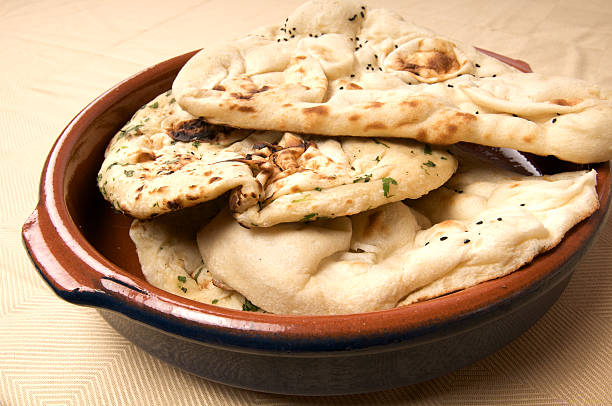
(69, 275)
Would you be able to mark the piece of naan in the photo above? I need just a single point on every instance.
(170, 260)
(339, 68)
(484, 224)
(146, 172)
(310, 178)
(165, 160)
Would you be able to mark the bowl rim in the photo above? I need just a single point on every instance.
(78, 273)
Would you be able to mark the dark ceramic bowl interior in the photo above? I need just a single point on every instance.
(82, 249)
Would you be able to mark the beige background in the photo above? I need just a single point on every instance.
(57, 55)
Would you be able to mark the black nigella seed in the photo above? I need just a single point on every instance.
(427, 243)
(554, 120)
(443, 238)
(522, 204)
(310, 35)
(357, 38)
(499, 219)
(477, 65)
(363, 7)
(449, 85)
(494, 76)
(514, 115)
(375, 56)
(362, 15)
(285, 39)
(558, 114)
(278, 40)
(294, 28)
(293, 36)
(396, 46)
(479, 222)
(357, 49)
(466, 241)
(352, 75)
(476, 112)
(341, 87)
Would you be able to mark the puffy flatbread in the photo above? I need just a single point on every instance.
(164, 160)
(393, 255)
(339, 68)
(170, 260)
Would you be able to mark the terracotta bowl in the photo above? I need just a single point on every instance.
(82, 249)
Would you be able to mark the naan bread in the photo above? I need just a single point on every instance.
(393, 255)
(271, 177)
(338, 68)
(323, 177)
(170, 260)
(146, 172)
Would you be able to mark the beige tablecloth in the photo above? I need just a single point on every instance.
(57, 55)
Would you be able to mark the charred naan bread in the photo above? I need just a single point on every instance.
(310, 178)
(467, 232)
(147, 172)
(164, 160)
(338, 68)
(170, 260)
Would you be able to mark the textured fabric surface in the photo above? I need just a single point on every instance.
(60, 54)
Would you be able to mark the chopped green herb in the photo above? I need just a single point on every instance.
(427, 150)
(215, 301)
(182, 278)
(386, 182)
(129, 174)
(303, 199)
(197, 274)
(173, 100)
(156, 204)
(377, 159)
(184, 289)
(318, 189)
(365, 178)
(111, 165)
(169, 92)
(196, 144)
(380, 142)
(443, 158)
(309, 216)
(154, 105)
(123, 133)
(247, 306)
(429, 163)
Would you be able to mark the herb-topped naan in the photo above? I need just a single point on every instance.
(147, 172)
(310, 178)
(339, 68)
(165, 160)
(484, 225)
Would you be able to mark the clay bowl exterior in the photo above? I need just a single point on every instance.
(82, 249)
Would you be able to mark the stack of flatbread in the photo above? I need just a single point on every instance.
(306, 169)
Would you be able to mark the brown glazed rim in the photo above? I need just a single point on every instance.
(80, 274)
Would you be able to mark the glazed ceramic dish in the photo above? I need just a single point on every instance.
(82, 249)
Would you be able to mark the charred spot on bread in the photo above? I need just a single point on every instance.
(196, 129)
